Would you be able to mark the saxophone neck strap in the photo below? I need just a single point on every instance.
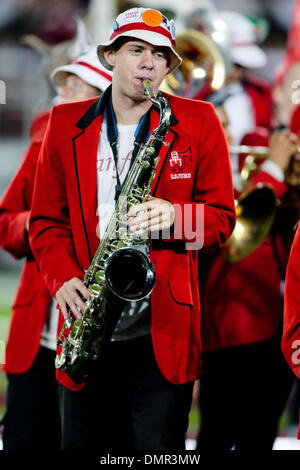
(140, 136)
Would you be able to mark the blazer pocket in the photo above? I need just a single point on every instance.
(181, 292)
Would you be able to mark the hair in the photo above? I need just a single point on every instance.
(118, 43)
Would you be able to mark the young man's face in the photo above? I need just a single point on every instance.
(136, 60)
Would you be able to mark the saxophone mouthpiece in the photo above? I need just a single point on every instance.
(148, 90)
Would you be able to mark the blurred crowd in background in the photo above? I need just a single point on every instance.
(36, 35)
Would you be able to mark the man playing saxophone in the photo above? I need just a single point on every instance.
(144, 384)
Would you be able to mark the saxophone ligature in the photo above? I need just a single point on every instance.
(120, 271)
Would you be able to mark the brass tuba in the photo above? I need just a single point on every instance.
(202, 70)
(255, 214)
(256, 208)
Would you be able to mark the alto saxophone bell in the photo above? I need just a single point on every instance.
(129, 274)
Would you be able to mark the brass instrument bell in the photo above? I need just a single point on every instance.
(202, 66)
(255, 212)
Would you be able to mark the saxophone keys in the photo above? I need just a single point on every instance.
(150, 151)
(95, 288)
(145, 165)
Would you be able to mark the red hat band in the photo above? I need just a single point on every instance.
(142, 26)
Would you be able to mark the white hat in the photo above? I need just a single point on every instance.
(87, 67)
(242, 32)
(148, 25)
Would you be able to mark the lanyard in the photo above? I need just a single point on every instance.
(141, 135)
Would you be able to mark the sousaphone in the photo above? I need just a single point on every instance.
(202, 70)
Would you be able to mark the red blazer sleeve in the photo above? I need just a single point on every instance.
(211, 214)
(49, 226)
(291, 328)
(16, 202)
(15, 205)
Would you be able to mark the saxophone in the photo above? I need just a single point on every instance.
(120, 271)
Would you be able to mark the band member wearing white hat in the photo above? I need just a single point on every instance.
(86, 76)
(140, 396)
(32, 418)
(290, 338)
(242, 324)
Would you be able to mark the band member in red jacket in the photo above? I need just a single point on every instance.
(32, 418)
(291, 336)
(146, 382)
(245, 382)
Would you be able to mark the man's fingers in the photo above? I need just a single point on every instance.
(62, 306)
(153, 215)
(144, 216)
(157, 223)
(134, 210)
(79, 285)
(72, 294)
(74, 305)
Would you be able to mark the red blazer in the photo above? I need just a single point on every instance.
(63, 223)
(32, 299)
(242, 301)
(291, 330)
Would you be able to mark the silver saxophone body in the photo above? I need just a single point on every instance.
(119, 272)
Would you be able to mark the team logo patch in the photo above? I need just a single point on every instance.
(177, 163)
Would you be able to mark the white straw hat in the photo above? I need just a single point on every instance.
(87, 67)
(148, 25)
(244, 50)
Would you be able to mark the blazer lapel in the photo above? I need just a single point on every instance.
(85, 148)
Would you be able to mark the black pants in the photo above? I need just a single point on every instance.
(128, 406)
(32, 418)
(242, 394)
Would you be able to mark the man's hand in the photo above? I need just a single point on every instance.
(152, 216)
(283, 144)
(72, 294)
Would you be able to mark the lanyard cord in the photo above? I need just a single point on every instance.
(141, 135)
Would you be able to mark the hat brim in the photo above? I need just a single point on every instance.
(151, 37)
(250, 56)
(59, 76)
